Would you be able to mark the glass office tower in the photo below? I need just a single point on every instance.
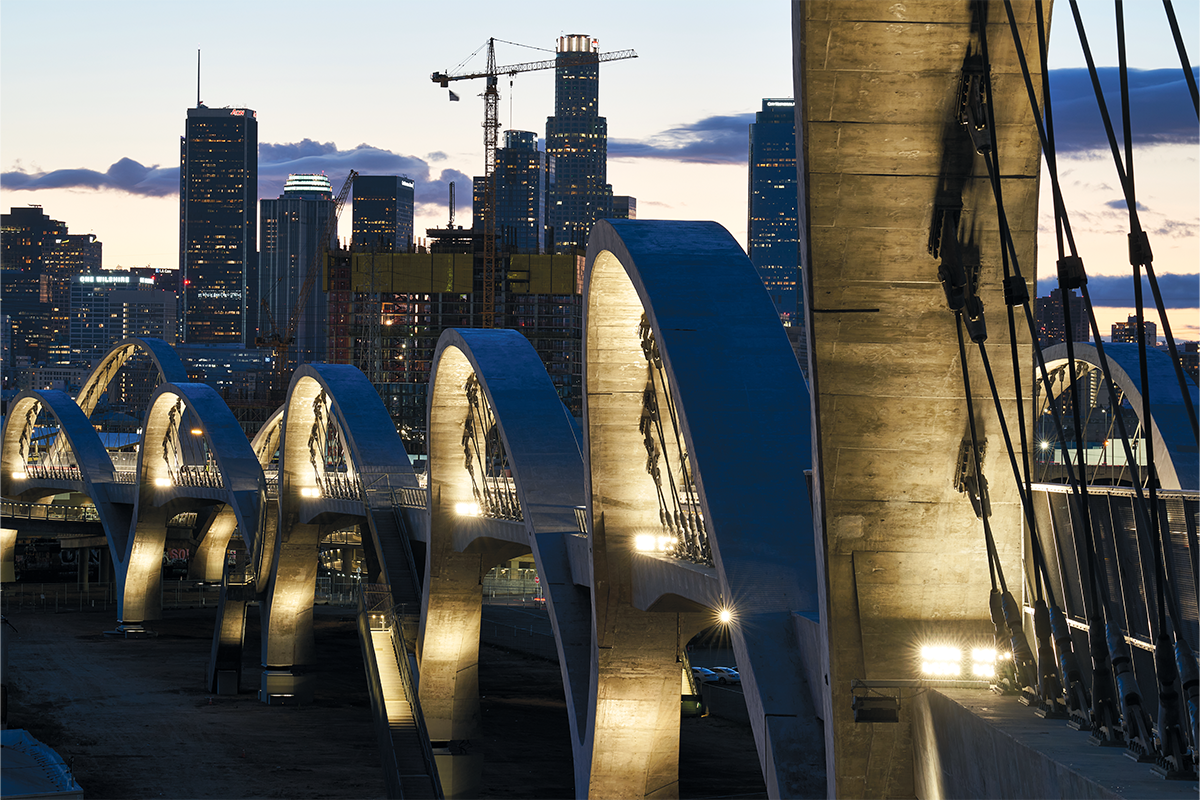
(218, 224)
(383, 213)
(773, 231)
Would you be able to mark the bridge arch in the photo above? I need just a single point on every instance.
(193, 451)
(678, 328)
(170, 368)
(1175, 456)
(340, 458)
(92, 472)
(492, 406)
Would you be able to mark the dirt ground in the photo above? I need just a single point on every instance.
(133, 719)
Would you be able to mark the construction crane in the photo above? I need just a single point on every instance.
(491, 129)
(279, 341)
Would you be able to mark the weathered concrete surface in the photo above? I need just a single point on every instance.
(547, 471)
(879, 145)
(734, 379)
(973, 743)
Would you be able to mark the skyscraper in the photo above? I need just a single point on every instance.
(577, 139)
(1051, 328)
(522, 176)
(383, 213)
(773, 230)
(1127, 331)
(218, 223)
(109, 306)
(291, 235)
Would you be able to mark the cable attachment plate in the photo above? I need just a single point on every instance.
(969, 478)
(1140, 253)
(1071, 274)
(1016, 291)
(973, 110)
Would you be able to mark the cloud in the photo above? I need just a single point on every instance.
(712, 140)
(1160, 108)
(275, 162)
(1121, 204)
(126, 175)
(1116, 291)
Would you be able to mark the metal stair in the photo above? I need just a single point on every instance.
(409, 768)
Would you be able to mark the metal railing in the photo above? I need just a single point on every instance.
(340, 487)
(376, 612)
(47, 511)
(409, 497)
(198, 476)
(1129, 580)
(40, 472)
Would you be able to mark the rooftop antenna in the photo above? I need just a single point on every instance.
(198, 77)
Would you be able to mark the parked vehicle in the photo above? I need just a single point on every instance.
(704, 675)
(726, 675)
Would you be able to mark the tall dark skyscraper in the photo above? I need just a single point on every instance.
(383, 213)
(291, 234)
(522, 180)
(218, 223)
(773, 230)
(577, 139)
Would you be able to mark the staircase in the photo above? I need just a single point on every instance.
(409, 769)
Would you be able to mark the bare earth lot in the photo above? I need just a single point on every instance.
(133, 719)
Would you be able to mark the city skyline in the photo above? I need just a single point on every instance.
(678, 116)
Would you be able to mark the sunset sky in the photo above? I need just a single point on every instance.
(94, 98)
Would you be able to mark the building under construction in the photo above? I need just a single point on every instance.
(387, 311)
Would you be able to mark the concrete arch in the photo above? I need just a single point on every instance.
(547, 470)
(96, 473)
(743, 412)
(209, 561)
(1174, 448)
(139, 558)
(170, 368)
(379, 463)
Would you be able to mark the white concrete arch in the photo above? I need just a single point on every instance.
(1175, 450)
(547, 472)
(93, 473)
(170, 368)
(742, 409)
(339, 399)
(230, 474)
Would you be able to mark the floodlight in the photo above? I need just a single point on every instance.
(467, 509)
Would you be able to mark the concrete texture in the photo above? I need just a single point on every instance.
(735, 381)
(547, 470)
(973, 743)
(879, 143)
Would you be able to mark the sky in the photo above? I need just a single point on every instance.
(93, 98)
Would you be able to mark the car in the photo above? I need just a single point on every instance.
(704, 675)
(726, 675)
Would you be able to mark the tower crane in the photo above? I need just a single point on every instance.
(281, 341)
(491, 129)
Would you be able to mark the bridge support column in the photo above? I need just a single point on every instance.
(288, 618)
(449, 666)
(139, 579)
(635, 744)
(208, 564)
(8, 555)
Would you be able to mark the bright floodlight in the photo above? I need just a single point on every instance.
(1045, 445)
(644, 542)
(725, 616)
(467, 509)
(984, 655)
(941, 661)
(310, 491)
(196, 432)
(162, 482)
(18, 475)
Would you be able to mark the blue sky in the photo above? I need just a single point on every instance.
(94, 96)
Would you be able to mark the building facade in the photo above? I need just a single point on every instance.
(523, 176)
(107, 307)
(1051, 327)
(218, 223)
(383, 213)
(577, 140)
(1127, 331)
(291, 228)
(773, 230)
